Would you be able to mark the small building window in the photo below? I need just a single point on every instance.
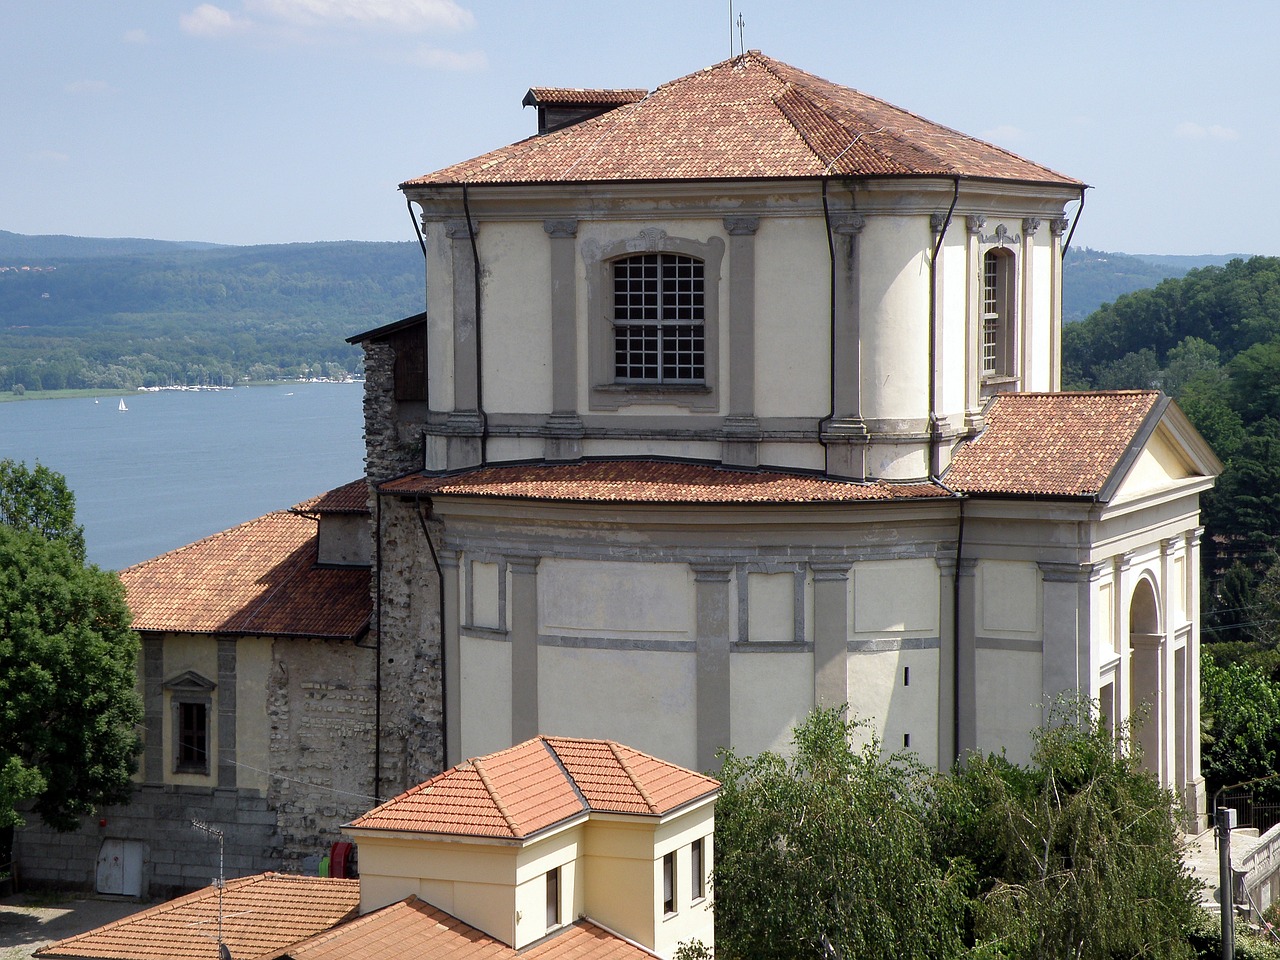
(697, 886)
(997, 314)
(669, 884)
(193, 738)
(658, 314)
(553, 898)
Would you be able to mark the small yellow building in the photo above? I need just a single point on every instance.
(530, 839)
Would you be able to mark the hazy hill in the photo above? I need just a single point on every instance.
(1093, 277)
(154, 313)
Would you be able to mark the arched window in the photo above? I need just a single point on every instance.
(998, 314)
(658, 315)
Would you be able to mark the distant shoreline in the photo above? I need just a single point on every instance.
(81, 393)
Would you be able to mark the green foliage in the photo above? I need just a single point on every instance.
(1078, 853)
(1206, 940)
(68, 708)
(39, 500)
(1240, 725)
(841, 853)
(825, 854)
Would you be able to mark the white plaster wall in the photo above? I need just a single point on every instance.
(484, 594)
(802, 456)
(1009, 695)
(643, 698)
(953, 310)
(253, 730)
(896, 702)
(486, 695)
(515, 258)
(1009, 598)
(1104, 616)
(1040, 322)
(439, 316)
(562, 850)
(622, 599)
(895, 317)
(894, 596)
(344, 539)
(771, 694)
(793, 318)
(690, 920)
(771, 608)
(688, 449)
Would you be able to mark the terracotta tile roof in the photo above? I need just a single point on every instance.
(258, 578)
(351, 497)
(653, 481)
(1051, 444)
(749, 117)
(521, 791)
(414, 928)
(260, 915)
(580, 97)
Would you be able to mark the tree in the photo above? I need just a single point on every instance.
(1078, 854)
(825, 854)
(68, 708)
(39, 500)
(1240, 725)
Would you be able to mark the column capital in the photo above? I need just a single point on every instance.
(829, 570)
(848, 224)
(1059, 225)
(1053, 572)
(974, 223)
(522, 564)
(559, 229)
(741, 226)
(710, 572)
(1030, 225)
(459, 229)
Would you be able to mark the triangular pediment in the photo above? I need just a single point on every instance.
(1167, 457)
(190, 682)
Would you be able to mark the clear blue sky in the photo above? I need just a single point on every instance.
(263, 121)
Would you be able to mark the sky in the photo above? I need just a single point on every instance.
(272, 121)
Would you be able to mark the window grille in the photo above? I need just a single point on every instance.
(658, 318)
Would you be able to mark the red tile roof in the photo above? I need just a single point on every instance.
(260, 915)
(537, 784)
(581, 97)
(654, 481)
(259, 578)
(414, 928)
(351, 497)
(1052, 444)
(750, 117)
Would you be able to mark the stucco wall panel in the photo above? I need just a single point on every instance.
(643, 698)
(793, 320)
(895, 317)
(515, 266)
(485, 695)
(1010, 694)
(771, 694)
(894, 596)
(633, 600)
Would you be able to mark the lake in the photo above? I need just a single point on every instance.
(179, 465)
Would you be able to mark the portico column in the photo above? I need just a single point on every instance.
(711, 686)
(1067, 662)
(973, 325)
(966, 659)
(1027, 380)
(741, 434)
(563, 431)
(830, 633)
(464, 427)
(845, 435)
(524, 647)
(1193, 788)
(1057, 227)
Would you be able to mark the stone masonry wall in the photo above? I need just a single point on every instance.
(393, 431)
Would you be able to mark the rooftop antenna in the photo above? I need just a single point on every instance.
(219, 881)
(742, 47)
(730, 29)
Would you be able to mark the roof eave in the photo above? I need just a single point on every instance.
(1068, 183)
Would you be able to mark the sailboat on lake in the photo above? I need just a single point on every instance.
(122, 406)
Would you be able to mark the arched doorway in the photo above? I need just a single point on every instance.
(1146, 678)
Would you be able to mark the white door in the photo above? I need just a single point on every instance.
(120, 868)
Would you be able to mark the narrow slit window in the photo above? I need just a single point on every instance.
(553, 898)
(997, 314)
(697, 876)
(669, 884)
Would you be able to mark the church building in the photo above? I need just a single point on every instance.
(742, 396)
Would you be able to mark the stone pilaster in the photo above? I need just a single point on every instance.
(563, 431)
(712, 682)
(226, 773)
(524, 647)
(845, 435)
(830, 633)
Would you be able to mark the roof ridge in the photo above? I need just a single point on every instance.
(635, 781)
(493, 795)
(546, 742)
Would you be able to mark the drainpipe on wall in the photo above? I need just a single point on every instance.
(831, 309)
(1079, 210)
